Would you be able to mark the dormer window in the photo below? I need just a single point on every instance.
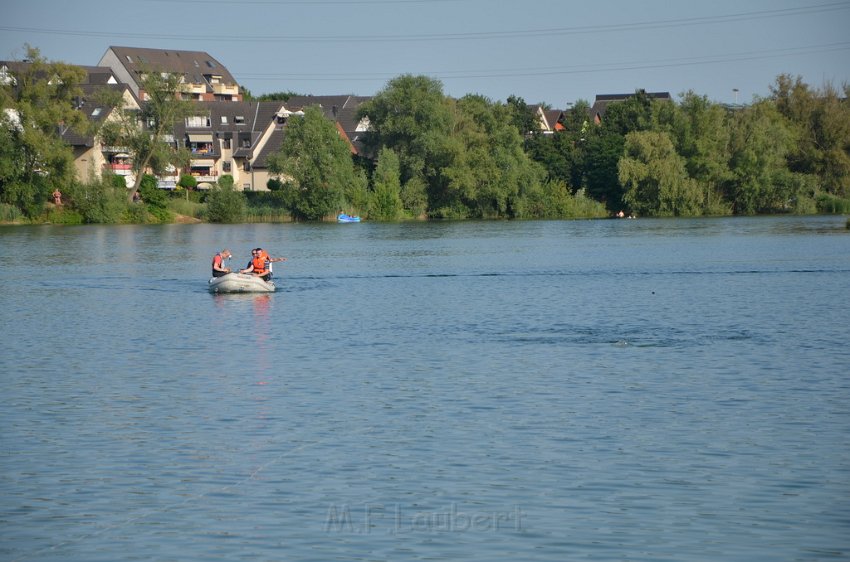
(239, 119)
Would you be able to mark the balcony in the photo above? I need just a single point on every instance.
(106, 149)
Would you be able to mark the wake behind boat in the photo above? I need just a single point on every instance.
(240, 283)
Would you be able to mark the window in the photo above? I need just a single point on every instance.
(239, 119)
(225, 143)
(96, 111)
(210, 64)
(226, 166)
(198, 121)
(224, 119)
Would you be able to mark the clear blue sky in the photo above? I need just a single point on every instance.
(548, 51)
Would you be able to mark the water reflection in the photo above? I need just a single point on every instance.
(249, 315)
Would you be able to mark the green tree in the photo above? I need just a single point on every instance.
(225, 204)
(655, 178)
(317, 164)
(760, 142)
(385, 201)
(414, 197)
(562, 155)
(523, 116)
(412, 116)
(602, 146)
(821, 120)
(700, 133)
(601, 151)
(633, 114)
(39, 106)
(146, 133)
(187, 181)
(491, 168)
(277, 96)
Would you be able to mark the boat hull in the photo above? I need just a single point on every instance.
(347, 218)
(240, 283)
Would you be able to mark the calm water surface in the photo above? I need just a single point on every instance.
(603, 390)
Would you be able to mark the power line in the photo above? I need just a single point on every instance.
(307, 2)
(554, 71)
(486, 35)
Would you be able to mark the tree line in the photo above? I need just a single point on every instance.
(788, 152)
(428, 155)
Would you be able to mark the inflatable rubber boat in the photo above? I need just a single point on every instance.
(240, 283)
(347, 218)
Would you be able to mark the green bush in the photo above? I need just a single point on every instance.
(152, 196)
(98, 202)
(274, 184)
(188, 208)
(224, 204)
(832, 205)
(188, 181)
(225, 181)
(553, 200)
(10, 213)
(136, 214)
(118, 181)
(58, 215)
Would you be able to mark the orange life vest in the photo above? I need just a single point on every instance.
(259, 265)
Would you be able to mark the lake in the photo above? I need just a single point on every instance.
(580, 390)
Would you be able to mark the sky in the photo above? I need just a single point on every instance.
(545, 51)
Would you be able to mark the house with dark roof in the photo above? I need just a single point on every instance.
(204, 77)
(602, 102)
(91, 156)
(548, 120)
(235, 137)
(342, 110)
(229, 138)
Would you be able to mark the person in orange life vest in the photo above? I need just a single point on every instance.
(218, 268)
(258, 266)
(269, 260)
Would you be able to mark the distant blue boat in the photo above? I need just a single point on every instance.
(347, 218)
